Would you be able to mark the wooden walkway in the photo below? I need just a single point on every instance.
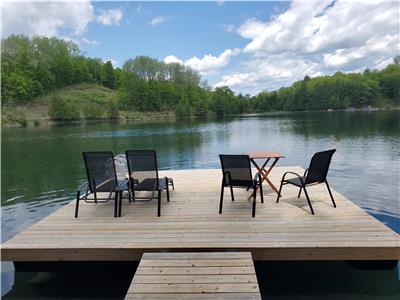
(190, 222)
(206, 275)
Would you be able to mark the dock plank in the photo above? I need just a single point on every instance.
(190, 222)
(212, 276)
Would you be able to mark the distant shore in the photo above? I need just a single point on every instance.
(124, 117)
(151, 117)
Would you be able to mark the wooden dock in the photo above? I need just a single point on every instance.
(190, 222)
(209, 275)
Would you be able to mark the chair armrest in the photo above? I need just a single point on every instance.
(284, 175)
(305, 172)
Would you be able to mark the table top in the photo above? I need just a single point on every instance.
(264, 154)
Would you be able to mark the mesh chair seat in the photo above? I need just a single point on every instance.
(150, 184)
(108, 185)
(296, 181)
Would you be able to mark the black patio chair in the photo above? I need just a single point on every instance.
(143, 175)
(236, 172)
(101, 178)
(315, 174)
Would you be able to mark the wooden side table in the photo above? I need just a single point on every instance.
(265, 169)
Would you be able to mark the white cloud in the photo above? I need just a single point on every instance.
(251, 28)
(208, 63)
(270, 73)
(316, 38)
(315, 27)
(88, 42)
(46, 19)
(110, 16)
(157, 20)
(172, 59)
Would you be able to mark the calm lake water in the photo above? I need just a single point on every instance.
(42, 167)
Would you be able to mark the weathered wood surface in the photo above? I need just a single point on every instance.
(190, 222)
(220, 275)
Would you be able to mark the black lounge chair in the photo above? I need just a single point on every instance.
(101, 178)
(315, 174)
(143, 175)
(236, 172)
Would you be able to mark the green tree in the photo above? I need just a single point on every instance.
(223, 100)
(108, 75)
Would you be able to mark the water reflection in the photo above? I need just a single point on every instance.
(346, 125)
(42, 167)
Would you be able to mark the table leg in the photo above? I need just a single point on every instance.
(263, 166)
(266, 173)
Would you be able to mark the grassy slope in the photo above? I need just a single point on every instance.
(37, 111)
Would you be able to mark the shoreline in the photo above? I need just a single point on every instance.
(127, 117)
(149, 117)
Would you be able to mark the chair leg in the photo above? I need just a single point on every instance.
(129, 195)
(330, 193)
(159, 204)
(116, 205)
(95, 197)
(221, 199)
(261, 193)
(167, 187)
(78, 194)
(298, 195)
(233, 198)
(308, 200)
(120, 204)
(253, 214)
(132, 195)
(279, 193)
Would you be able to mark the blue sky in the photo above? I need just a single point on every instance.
(189, 29)
(248, 46)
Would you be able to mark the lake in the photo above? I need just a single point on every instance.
(42, 167)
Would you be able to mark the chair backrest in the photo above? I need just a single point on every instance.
(239, 168)
(100, 171)
(142, 164)
(319, 166)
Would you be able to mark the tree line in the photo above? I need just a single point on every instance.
(340, 91)
(31, 67)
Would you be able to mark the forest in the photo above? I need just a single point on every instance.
(32, 67)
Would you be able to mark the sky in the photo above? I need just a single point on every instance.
(248, 46)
